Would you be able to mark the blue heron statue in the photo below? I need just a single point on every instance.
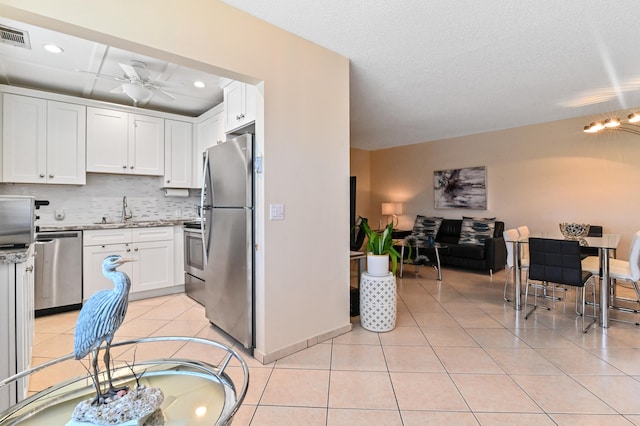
(99, 319)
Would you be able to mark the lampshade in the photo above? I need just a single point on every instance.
(135, 91)
(390, 209)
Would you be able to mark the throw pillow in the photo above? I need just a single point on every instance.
(425, 227)
(476, 230)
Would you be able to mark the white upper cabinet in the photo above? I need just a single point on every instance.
(107, 141)
(43, 141)
(239, 105)
(119, 142)
(178, 154)
(209, 132)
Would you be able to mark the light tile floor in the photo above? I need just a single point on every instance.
(459, 355)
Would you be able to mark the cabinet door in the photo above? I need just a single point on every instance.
(210, 132)
(234, 105)
(7, 332)
(154, 266)
(92, 258)
(24, 136)
(146, 145)
(178, 154)
(66, 136)
(107, 133)
(25, 323)
(239, 105)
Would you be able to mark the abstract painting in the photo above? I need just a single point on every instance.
(460, 188)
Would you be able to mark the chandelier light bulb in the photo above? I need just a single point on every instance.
(611, 122)
(634, 117)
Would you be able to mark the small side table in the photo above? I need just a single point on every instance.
(378, 302)
(433, 250)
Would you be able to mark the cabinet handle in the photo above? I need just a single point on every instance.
(41, 175)
(102, 246)
(29, 269)
(124, 167)
(128, 250)
(168, 181)
(131, 167)
(50, 176)
(135, 249)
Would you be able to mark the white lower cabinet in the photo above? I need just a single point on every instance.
(16, 326)
(152, 252)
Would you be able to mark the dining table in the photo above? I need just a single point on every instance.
(607, 245)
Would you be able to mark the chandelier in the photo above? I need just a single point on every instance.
(627, 125)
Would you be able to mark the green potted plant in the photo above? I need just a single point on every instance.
(380, 249)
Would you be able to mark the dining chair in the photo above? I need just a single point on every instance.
(621, 270)
(523, 233)
(512, 235)
(558, 262)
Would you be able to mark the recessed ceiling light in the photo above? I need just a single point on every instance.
(199, 84)
(53, 48)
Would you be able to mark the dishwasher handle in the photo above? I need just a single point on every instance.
(47, 237)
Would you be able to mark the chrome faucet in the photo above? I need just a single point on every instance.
(125, 215)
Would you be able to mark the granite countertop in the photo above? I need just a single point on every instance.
(19, 255)
(117, 225)
(13, 255)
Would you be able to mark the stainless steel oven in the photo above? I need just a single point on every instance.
(194, 262)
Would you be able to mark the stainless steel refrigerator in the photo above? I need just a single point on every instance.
(227, 232)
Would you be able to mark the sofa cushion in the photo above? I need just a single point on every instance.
(449, 232)
(476, 230)
(425, 227)
(466, 251)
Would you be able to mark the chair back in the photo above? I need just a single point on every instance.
(556, 261)
(523, 232)
(510, 235)
(634, 257)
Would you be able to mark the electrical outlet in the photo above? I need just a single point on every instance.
(59, 214)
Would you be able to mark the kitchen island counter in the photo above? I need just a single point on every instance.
(14, 255)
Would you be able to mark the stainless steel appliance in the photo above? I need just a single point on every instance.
(16, 220)
(227, 229)
(194, 262)
(58, 269)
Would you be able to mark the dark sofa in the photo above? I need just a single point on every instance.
(491, 256)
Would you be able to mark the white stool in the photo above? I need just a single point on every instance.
(378, 306)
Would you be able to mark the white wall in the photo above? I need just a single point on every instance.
(537, 175)
(303, 134)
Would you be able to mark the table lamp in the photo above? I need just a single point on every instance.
(393, 210)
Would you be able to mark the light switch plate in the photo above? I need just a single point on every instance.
(276, 211)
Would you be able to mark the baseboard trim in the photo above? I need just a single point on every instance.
(297, 347)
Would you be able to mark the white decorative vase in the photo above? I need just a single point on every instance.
(377, 265)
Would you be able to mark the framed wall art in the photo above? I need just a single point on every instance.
(460, 188)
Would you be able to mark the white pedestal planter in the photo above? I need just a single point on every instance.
(378, 302)
(377, 265)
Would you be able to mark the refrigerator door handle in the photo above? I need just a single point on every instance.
(205, 209)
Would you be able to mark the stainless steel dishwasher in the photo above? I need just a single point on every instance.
(58, 272)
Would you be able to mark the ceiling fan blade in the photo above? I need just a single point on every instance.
(161, 93)
(103, 76)
(130, 72)
(118, 89)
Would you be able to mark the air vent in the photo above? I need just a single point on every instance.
(15, 37)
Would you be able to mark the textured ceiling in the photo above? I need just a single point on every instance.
(425, 70)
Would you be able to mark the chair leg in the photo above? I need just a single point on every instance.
(506, 282)
(584, 298)
(526, 299)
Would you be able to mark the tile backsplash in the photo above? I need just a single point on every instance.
(102, 197)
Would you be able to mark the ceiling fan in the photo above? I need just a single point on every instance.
(137, 83)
